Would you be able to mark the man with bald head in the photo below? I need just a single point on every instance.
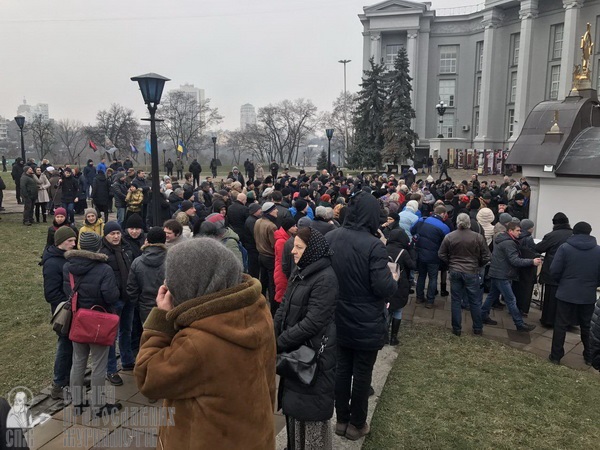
(237, 213)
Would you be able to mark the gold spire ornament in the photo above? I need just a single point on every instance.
(555, 128)
(582, 73)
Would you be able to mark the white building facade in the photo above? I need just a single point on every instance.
(247, 116)
(490, 64)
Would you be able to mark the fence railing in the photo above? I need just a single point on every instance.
(460, 10)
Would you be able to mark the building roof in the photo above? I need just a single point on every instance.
(570, 151)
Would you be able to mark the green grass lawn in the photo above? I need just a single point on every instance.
(27, 341)
(472, 393)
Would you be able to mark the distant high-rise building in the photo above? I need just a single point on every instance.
(196, 93)
(247, 116)
(31, 111)
(3, 128)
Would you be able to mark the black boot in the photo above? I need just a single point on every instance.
(395, 328)
(444, 292)
(386, 339)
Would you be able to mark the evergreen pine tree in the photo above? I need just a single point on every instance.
(397, 131)
(322, 161)
(368, 119)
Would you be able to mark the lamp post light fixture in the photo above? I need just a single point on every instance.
(329, 133)
(21, 123)
(441, 109)
(152, 85)
(214, 162)
(344, 62)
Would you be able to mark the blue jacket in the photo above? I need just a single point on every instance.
(576, 267)
(430, 233)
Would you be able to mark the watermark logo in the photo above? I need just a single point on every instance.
(20, 421)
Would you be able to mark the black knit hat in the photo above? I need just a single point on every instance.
(156, 235)
(288, 223)
(113, 226)
(134, 221)
(560, 218)
(582, 228)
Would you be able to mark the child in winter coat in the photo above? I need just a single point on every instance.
(92, 224)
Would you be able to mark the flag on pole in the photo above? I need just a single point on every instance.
(148, 147)
(92, 145)
(133, 148)
(181, 148)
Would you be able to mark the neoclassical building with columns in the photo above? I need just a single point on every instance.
(490, 63)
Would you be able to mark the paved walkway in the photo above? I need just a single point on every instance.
(133, 428)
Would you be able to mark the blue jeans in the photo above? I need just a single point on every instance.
(63, 361)
(431, 271)
(397, 314)
(464, 287)
(503, 287)
(70, 207)
(121, 215)
(125, 311)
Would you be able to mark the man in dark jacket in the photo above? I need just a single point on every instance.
(29, 195)
(119, 192)
(120, 258)
(179, 167)
(561, 231)
(101, 187)
(127, 164)
(506, 261)
(274, 168)
(147, 273)
(576, 267)
(16, 173)
(53, 262)
(195, 169)
(254, 213)
(283, 212)
(465, 252)
(70, 193)
(430, 233)
(360, 263)
(89, 173)
(237, 213)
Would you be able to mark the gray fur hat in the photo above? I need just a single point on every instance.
(186, 279)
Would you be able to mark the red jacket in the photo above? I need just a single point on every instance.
(281, 281)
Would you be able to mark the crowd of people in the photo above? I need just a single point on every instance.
(238, 272)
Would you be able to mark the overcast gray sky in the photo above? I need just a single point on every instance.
(78, 55)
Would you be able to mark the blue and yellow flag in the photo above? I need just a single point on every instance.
(181, 148)
(148, 147)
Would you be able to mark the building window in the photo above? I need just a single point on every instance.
(478, 91)
(479, 56)
(554, 82)
(447, 92)
(448, 126)
(476, 124)
(556, 33)
(391, 53)
(511, 122)
(515, 45)
(448, 57)
(513, 88)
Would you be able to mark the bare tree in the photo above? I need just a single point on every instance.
(186, 120)
(42, 132)
(286, 125)
(335, 120)
(258, 143)
(235, 143)
(71, 134)
(117, 124)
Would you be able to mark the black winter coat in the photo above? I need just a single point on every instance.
(96, 279)
(576, 267)
(398, 241)
(237, 215)
(101, 190)
(146, 275)
(165, 211)
(121, 279)
(360, 263)
(595, 337)
(174, 202)
(549, 245)
(89, 172)
(322, 226)
(306, 314)
(53, 262)
(119, 192)
(250, 243)
(195, 168)
(135, 244)
(70, 189)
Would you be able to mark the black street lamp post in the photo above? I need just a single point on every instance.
(21, 123)
(214, 164)
(152, 85)
(441, 109)
(329, 133)
(164, 157)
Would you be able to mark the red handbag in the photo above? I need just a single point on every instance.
(92, 326)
